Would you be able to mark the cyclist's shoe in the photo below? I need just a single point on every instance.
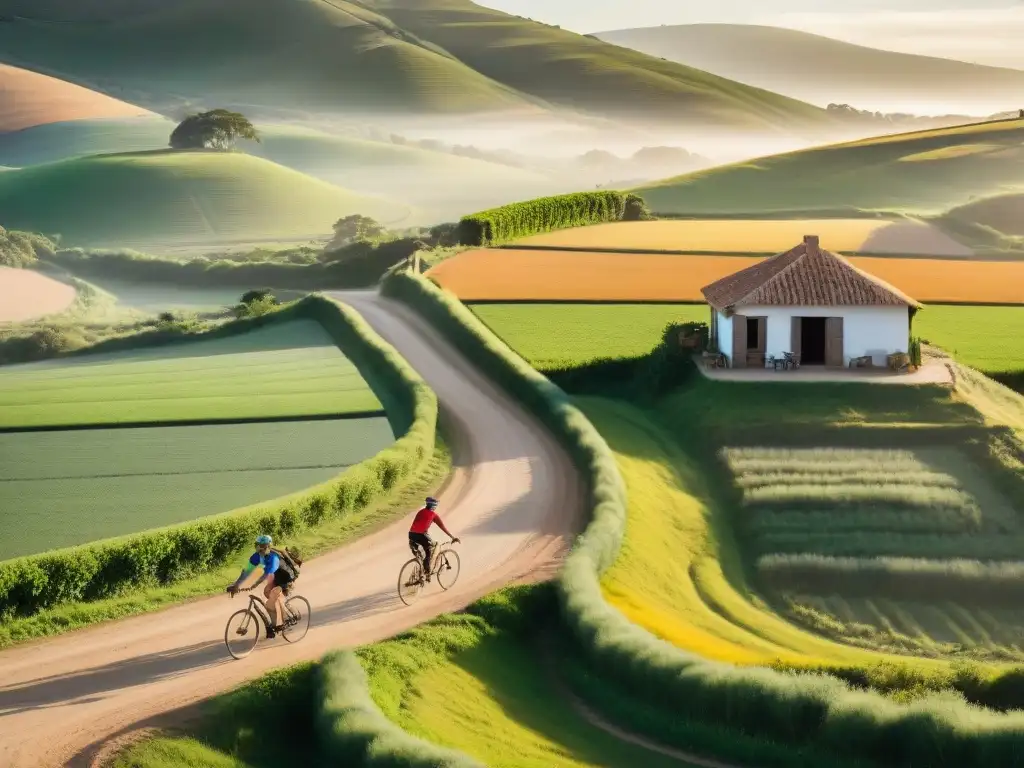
(428, 578)
(271, 634)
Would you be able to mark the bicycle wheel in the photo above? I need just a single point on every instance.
(242, 633)
(410, 581)
(448, 567)
(296, 623)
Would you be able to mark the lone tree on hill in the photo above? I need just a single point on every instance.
(354, 228)
(216, 129)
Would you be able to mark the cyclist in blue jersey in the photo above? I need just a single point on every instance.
(277, 570)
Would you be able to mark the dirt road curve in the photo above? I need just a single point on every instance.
(513, 498)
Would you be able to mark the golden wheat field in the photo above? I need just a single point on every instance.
(759, 236)
(535, 275)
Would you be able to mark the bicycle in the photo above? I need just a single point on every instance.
(445, 567)
(297, 615)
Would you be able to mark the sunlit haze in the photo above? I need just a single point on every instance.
(946, 28)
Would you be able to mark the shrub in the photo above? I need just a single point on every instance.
(255, 307)
(22, 249)
(259, 294)
(105, 568)
(798, 710)
(544, 214)
(636, 209)
(915, 351)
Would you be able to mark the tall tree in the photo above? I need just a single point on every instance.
(215, 129)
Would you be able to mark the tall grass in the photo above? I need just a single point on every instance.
(971, 582)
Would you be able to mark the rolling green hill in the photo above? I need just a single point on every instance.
(777, 59)
(285, 53)
(168, 197)
(420, 56)
(50, 142)
(922, 172)
(999, 214)
(441, 185)
(581, 72)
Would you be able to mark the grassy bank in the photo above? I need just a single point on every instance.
(487, 686)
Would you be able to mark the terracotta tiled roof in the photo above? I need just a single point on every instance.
(804, 276)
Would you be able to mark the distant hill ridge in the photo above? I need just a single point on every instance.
(923, 172)
(430, 56)
(822, 70)
(28, 99)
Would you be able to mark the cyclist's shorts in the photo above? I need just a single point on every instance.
(281, 579)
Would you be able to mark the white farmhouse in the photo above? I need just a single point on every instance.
(811, 303)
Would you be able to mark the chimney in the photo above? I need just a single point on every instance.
(811, 241)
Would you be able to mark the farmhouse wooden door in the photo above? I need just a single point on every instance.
(834, 342)
(795, 333)
(739, 341)
(756, 354)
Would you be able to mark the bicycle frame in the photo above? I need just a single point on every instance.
(435, 547)
(264, 612)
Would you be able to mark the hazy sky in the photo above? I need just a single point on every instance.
(985, 31)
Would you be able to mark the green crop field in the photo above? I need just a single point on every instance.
(693, 535)
(438, 56)
(554, 335)
(167, 196)
(58, 489)
(290, 369)
(916, 172)
(922, 628)
(921, 503)
(986, 338)
(681, 573)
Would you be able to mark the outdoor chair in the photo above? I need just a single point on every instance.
(791, 360)
(713, 360)
(864, 361)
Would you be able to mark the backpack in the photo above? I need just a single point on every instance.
(292, 562)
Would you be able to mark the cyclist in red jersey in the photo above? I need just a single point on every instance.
(418, 532)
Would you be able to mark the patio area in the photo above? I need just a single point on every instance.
(933, 370)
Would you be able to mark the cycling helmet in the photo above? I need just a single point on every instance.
(264, 539)
(431, 502)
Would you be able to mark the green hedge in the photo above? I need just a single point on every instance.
(106, 568)
(801, 710)
(360, 268)
(353, 731)
(508, 222)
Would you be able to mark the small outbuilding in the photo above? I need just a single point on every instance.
(811, 303)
